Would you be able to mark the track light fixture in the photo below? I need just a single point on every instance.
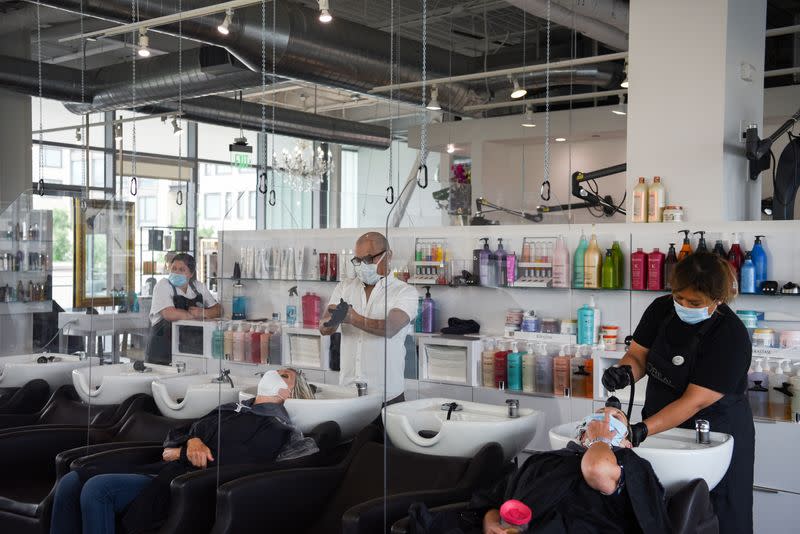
(324, 11)
(451, 148)
(517, 91)
(144, 43)
(433, 105)
(224, 28)
(176, 128)
(528, 121)
(622, 107)
(118, 131)
(625, 83)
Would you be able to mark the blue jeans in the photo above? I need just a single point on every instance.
(91, 508)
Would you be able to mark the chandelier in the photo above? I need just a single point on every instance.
(302, 169)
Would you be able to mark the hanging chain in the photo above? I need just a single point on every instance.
(547, 101)
(179, 196)
(84, 163)
(40, 185)
(422, 182)
(134, 183)
(390, 190)
(262, 177)
(272, 195)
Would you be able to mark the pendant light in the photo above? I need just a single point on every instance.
(517, 91)
(224, 28)
(176, 128)
(528, 120)
(324, 12)
(625, 83)
(433, 105)
(622, 107)
(144, 43)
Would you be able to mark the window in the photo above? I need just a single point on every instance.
(241, 206)
(51, 157)
(211, 205)
(223, 170)
(228, 204)
(210, 169)
(148, 209)
(349, 189)
(76, 172)
(98, 177)
(252, 213)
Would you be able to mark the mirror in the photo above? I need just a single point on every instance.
(104, 246)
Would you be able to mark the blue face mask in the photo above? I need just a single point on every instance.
(691, 315)
(614, 425)
(178, 280)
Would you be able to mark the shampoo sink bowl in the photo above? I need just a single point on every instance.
(332, 403)
(192, 397)
(16, 371)
(675, 455)
(112, 384)
(422, 426)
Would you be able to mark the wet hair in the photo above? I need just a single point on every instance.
(302, 389)
(187, 259)
(705, 273)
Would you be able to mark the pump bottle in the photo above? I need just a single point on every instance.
(686, 248)
(487, 363)
(501, 365)
(483, 262)
(701, 244)
(581, 373)
(428, 312)
(561, 367)
(640, 201)
(578, 271)
(543, 370)
(747, 275)
(528, 364)
(719, 249)
(218, 341)
(736, 257)
(228, 342)
(779, 401)
(514, 368)
(501, 269)
(760, 262)
(561, 264)
(592, 264)
(757, 392)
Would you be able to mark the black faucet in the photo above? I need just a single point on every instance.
(224, 376)
(451, 407)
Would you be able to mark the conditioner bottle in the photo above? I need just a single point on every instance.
(640, 201)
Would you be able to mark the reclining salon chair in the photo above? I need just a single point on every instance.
(349, 497)
(690, 511)
(192, 503)
(32, 461)
(26, 399)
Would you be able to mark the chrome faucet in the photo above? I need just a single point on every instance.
(181, 367)
(513, 408)
(224, 376)
(451, 407)
(361, 387)
(703, 429)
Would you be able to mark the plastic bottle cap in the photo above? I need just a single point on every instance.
(516, 512)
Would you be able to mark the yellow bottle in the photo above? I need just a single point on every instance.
(640, 201)
(655, 200)
(592, 264)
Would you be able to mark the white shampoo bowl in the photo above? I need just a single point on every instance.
(332, 403)
(192, 397)
(18, 370)
(465, 433)
(675, 455)
(112, 384)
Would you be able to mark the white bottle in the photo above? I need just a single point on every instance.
(314, 274)
(528, 384)
(655, 200)
(640, 201)
(777, 399)
(561, 264)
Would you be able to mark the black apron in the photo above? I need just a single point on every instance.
(159, 343)
(669, 366)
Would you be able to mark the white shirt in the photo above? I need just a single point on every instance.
(162, 297)
(362, 354)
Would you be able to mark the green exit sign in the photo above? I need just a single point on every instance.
(241, 153)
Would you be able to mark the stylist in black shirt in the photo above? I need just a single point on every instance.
(696, 353)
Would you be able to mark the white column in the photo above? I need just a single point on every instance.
(696, 72)
(15, 134)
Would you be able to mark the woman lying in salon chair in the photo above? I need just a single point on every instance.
(256, 431)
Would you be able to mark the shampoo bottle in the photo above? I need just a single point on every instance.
(275, 347)
(428, 312)
(218, 341)
(701, 243)
(747, 275)
(514, 368)
(543, 370)
(483, 263)
(228, 342)
(418, 318)
(588, 323)
(487, 363)
(639, 270)
(757, 392)
(577, 262)
(263, 345)
(561, 369)
(592, 264)
(669, 266)
(500, 269)
(619, 262)
(719, 249)
(655, 270)
(609, 271)
(238, 344)
(655, 200)
(795, 389)
(777, 396)
(686, 248)
(581, 373)
(736, 256)
(254, 356)
(759, 262)
(501, 365)
(528, 365)
(640, 201)
(561, 264)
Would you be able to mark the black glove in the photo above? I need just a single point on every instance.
(338, 315)
(616, 377)
(638, 433)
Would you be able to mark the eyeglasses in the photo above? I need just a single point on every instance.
(368, 259)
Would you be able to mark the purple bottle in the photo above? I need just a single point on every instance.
(428, 314)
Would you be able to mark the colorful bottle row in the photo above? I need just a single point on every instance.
(592, 270)
(774, 393)
(30, 292)
(429, 251)
(257, 343)
(505, 365)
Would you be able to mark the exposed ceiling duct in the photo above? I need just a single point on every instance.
(605, 21)
(63, 84)
(604, 75)
(345, 54)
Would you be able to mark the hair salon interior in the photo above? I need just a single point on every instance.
(399, 266)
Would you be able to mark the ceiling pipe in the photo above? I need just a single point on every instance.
(345, 54)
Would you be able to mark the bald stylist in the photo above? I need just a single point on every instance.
(369, 295)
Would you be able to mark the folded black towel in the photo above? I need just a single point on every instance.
(461, 327)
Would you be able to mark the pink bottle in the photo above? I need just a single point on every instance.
(255, 345)
(311, 310)
(655, 270)
(639, 270)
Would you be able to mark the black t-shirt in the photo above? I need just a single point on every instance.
(724, 351)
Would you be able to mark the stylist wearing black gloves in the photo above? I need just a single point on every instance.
(696, 353)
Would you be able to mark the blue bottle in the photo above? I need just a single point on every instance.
(418, 318)
(760, 263)
(577, 262)
(514, 369)
(748, 275)
(586, 316)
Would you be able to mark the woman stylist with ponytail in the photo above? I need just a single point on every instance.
(696, 353)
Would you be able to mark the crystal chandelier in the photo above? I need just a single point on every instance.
(302, 169)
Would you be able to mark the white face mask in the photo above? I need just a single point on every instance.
(368, 274)
(271, 383)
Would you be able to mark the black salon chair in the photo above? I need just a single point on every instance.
(29, 398)
(66, 408)
(193, 495)
(690, 511)
(33, 459)
(349, 497)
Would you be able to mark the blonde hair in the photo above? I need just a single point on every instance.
(302, 389)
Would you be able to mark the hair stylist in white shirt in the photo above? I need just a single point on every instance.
(370, 295)
(179, 297)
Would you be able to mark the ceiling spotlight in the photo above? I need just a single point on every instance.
(622, 107)
(324, 12)
(433, 105)
(224, 28)
(176, 128)
(451, 148)
(78, 134)
(625, 83)
(144, 43)
(517, 92)
(118, 131)
(528, 121)
(560, 139)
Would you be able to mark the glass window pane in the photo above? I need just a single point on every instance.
(51, 157)
(211, 206)
(153, 136)
(252, 213)
(349, 189)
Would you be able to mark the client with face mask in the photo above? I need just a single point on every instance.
(254, 431)
(376, 307)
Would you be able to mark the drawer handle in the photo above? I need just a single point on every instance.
(765, 490)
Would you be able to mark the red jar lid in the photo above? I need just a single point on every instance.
(515, 512)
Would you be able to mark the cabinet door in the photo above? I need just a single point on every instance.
(774, 511)
(776, 456)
